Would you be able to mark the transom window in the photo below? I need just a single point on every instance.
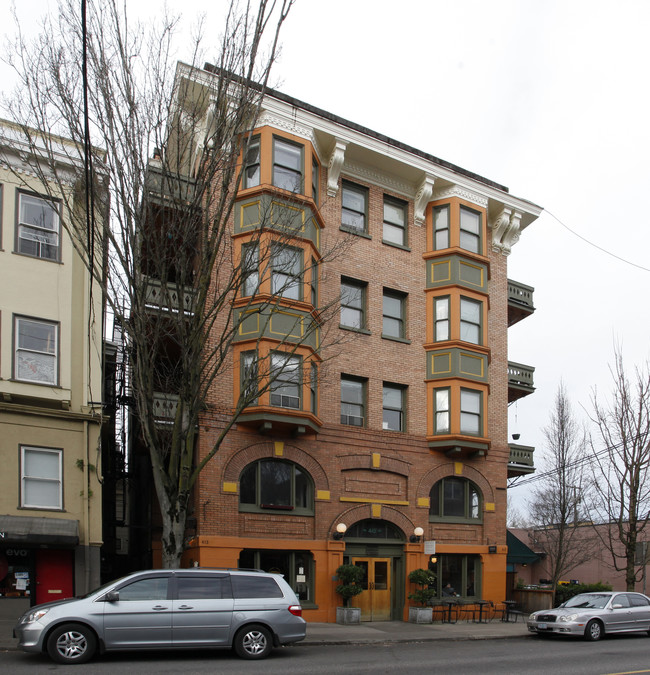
(470, 321)
(353, 301)
(36, 344)
(41, 478)
(395, 213)
(470, 230)
(271, 484)
(393, 314)
(286, 380)
(440, 227)
(470, 412)
(252, 163)
(38, 227)
(353, 401)
(393, 407)
(354, 208)
(287, 165)
(455, 498)
(286, 264)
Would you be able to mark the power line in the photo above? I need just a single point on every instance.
(591, 243)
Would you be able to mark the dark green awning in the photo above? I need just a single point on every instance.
(518, 552)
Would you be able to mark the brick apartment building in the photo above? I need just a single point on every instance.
(387, 447)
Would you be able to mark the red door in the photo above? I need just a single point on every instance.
(54, 575)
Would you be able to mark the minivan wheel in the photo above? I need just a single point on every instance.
(71, 643)
(594, 630)
(253, 642)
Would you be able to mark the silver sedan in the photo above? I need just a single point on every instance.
(592, 615)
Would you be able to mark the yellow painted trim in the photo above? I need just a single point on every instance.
(479, 359)
(458, 468)
(300, 324)
(376, 460)
(476, 267)
(291, 208)
(490, 506)
(279, 448)
(435, 355)
(424, 502)
(241, 323)
(323, 494)
(376, 510)
(437, 264)
(229, 487)
(241, 214)
(361, 500)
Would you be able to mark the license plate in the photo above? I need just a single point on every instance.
(542, 626)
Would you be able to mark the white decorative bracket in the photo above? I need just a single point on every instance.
(334, 169)
(505, 230)
(422, 198)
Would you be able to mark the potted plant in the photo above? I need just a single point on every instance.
(350, 578)
(424, 579)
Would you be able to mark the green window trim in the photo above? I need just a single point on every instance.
(471, 320)
(463, 572)
(471, 228)
(455, 499)
(442, 410)
(441, 314)
(395, 222)
(354, 208)
(286, 381)
(353, 304)
(440, 215)
(353, 400)
(394, 314)
(315, 180)
(286, 271)
(276, 486)
(471, 412)
(394, 407)
(250, 269)
(251, 172)
(248, 377)
(288, 165)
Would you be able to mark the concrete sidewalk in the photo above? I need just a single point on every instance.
(368, 633)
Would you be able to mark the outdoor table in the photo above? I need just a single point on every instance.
(481, 604)
(450, 604)
(509, 607)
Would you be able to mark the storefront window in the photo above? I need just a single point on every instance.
(14, 573)
(297, 567)
(458, 575)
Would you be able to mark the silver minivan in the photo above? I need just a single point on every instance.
(247, 610)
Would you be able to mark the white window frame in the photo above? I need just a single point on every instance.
(26, 480)
(23, 352)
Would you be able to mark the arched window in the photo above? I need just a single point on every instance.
(276, 485)
(456, 499)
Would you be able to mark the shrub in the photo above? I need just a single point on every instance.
(565, 591)
(424, 579)
(350, 577)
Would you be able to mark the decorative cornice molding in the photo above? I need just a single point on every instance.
(334, 168)
(422, 198)
(286, 124)
(462, 193)
(385, 181)
(505, 230)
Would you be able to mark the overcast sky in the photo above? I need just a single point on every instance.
(547, 97)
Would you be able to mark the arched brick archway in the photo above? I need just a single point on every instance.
(432, 477)
(267, 450)
(364, 512)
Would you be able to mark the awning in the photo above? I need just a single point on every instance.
(29, 530)
(518, 552)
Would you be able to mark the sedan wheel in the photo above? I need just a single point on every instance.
(253, 642)
(593, 631)
(71, 643)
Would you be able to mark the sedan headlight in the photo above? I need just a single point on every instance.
(533, 617)
(568, 617)
(34, 616)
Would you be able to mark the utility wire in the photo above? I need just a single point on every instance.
(591, 243)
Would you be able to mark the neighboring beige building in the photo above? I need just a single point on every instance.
(50, 393)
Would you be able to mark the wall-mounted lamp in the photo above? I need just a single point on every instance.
(417, 534)
(340, 531)
(434, 560)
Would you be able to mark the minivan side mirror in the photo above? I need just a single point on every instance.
(112, 596)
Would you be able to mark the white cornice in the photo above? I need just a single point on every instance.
(383, 180)
(462, 193)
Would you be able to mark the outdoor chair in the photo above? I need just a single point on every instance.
(496, 611)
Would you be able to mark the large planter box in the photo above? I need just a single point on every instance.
(420, 614)
(348, 615)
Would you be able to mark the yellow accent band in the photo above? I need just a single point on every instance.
(424, 501)
(361, 500)
(322, 494)
(376, 460)
(376, 510)
(490, 506)
(458, 468)
(230, 487)
(279, 448)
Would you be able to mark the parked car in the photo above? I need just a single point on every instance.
(592, 615)
(247, 610)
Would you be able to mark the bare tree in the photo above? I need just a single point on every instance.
(558, 506)
(515, 516)
(174, 142)
(621, 470)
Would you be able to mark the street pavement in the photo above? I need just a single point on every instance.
(371, 632)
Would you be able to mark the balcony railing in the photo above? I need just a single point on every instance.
(168, 297)
(164, 407)
(167, 187)
(520, 301)
(521, 460)
(520, 381)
